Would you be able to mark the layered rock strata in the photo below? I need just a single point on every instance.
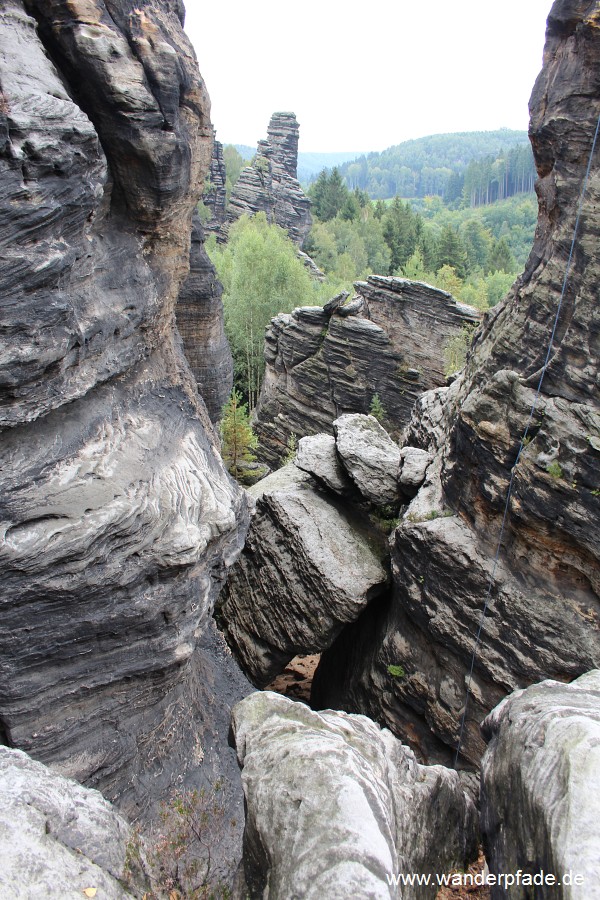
(58, 839)
(544, 743)
(200, 323)
(215, 193)
(118, 519)
(270, 184)
(353, 806)
(543, 616)
(389, 339)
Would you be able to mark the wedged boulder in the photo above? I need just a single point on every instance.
(370, 457)
(317, 456)
(58, 839)
(336, 806)
(413, 466)
(540, 788)
(308, 567)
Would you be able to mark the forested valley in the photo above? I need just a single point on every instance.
(465, 225)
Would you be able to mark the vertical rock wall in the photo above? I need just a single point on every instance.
(543, 618)
(116, 515)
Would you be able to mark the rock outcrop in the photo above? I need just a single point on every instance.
(117, 516)
(270, 185)
(336, 806)
(308, 567)
(543, 616)
(215, 193)
(200, 323)
(58, 839)
(388, 339)
(540, 797)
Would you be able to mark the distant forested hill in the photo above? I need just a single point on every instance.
(487, 165)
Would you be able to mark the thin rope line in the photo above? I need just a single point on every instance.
(522, 444)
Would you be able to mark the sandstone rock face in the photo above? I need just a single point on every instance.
(541, 786)
(543, 619)
(308, 567)
(200, 323)
(318, 456)
(215, 198)
(270, 184)
(321, 363)
(335, 804)
(58, 839)
(117, 517)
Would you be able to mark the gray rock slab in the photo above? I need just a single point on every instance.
(540, 777)
(317, 456)
(369, 455)
(308, 567)
(57, 838)
(335, 804)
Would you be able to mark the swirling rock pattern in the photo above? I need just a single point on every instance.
(117, 517)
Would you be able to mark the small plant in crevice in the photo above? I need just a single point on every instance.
(396, 671)
(291, 448)
(377, 409)
(554, 469)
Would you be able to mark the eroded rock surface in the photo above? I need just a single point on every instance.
(369, 456)
(117, 517)
(540, 800)
(388, 340)
(335, 805)
(270, 184)
(309, 566)
(58, 839)
(543, 618)
(200, 323)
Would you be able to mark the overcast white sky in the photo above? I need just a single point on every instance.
(367, 76)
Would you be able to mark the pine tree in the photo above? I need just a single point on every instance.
(238, 439)
(377, 409)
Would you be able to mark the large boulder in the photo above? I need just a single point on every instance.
(309, 566)
(540, 795)
(58, 839)
(370, 457)
(336, 806)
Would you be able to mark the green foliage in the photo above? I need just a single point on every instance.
(329, 195)
(234, 163)
(500, 259)
(489, 165)
(455, 351)
(396, 671)
(376, 409)
(261, 276)
(554, 469)
(237, 438)
(181, 857)
(291, 448)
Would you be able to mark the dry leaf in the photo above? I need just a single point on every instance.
(90, 892)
